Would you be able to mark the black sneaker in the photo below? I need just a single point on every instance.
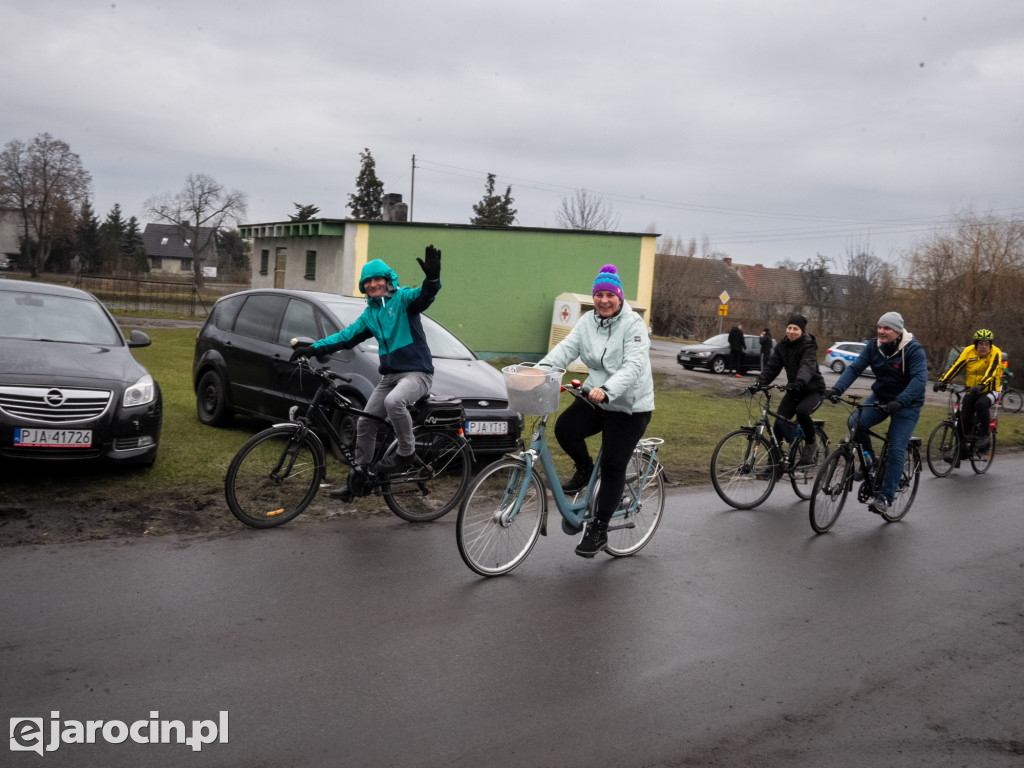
(579, 480)
(981, 445)
(393, 462)
(594, 540)
(342, 494)
(808, 455)
(880, 505)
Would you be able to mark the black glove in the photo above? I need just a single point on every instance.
(431, 263)
(891, 407)
(793, 386)
(977, 389)
(301, 350)
(833, 395)
(752, 389)
(939, 386)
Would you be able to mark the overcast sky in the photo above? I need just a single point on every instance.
(776, 130)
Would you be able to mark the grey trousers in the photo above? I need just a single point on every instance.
(391, 397)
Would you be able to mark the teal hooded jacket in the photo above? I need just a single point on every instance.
(393, 320)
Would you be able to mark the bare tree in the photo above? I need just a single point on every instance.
(866, 293)
(584, 211)
(199, 211)
(44, 181)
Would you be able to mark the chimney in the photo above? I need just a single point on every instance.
(727, 260)
(393, 209)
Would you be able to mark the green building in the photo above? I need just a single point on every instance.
(499, 283)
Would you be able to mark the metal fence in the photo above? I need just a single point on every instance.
(131, 295)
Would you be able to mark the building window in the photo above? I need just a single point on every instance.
(163, 241)
(311, 265)
(264, 262)
(186, 265)
(156, 262)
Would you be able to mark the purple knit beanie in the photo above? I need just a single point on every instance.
(608, 280)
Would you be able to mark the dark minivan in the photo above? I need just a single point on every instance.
(241, 365)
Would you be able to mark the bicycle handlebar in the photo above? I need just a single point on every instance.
(323, 372)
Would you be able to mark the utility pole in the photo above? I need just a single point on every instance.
(412, 187)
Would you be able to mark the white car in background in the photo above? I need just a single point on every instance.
(842, 353)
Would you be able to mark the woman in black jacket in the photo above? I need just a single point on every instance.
(798, 355)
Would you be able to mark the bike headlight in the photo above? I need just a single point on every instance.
(142, 392)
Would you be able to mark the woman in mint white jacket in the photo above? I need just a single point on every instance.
(612, 341)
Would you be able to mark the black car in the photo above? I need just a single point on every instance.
(241, 365)
(69, 385)
(713, 354)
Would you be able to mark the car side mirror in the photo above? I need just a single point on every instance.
(139, 339)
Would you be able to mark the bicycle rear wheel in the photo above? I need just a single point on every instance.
(424, 493)
(493, 533)
(980, 462)
(274, 476)
(831, 487)
(802, 477)
(629, 533)
(943, 449)
(1012, 401)
(907, 489)
(743, 469)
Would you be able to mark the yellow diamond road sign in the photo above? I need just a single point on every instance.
(724, 297)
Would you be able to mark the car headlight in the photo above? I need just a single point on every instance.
(701, 354)
(142, 392)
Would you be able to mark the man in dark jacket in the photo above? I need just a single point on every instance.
(901, 373)
(805, 386)
(766, 347)
(736, 342)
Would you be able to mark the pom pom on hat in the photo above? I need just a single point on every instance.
(608, 280)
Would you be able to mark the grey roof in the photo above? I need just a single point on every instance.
(175, 247)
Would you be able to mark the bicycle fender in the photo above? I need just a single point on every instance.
(319, 445)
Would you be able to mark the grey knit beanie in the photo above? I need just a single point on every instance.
(892, 320)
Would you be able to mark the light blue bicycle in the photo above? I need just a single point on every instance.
(505, 510)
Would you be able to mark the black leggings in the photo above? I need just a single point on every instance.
(620, 432)
(803, 405)
(974, 410)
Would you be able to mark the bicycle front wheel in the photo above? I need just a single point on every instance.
(943, 449)
(494, 533)
(743, 470)
(831, 486)
(644, 502)
(428, 491)
(907, 489)
(980, 462)
(275, 476)
(1012, 401)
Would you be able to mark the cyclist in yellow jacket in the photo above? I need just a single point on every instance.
(982, 363)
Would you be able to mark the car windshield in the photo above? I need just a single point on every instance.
(41, 317)
(718, 341)
(442, 342)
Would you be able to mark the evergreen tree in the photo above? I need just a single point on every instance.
(87, 240)
(304, 212)
(111, 236)
(133, 248)
(366, 203)
(494, 210)
(233, 254)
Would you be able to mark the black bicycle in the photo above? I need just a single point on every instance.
(947, 447)
(278, 472)
(1009, 398)
(747, 462)
(848, 464)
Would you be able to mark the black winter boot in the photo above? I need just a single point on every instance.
(595, 539)
(579, 480)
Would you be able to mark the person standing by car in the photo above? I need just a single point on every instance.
(613, 343)
(392, 317)
(797, 354)
(766, 347)
(900, 366)
(736, 343)
(982, 365)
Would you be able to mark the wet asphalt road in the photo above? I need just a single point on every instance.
(734, 639)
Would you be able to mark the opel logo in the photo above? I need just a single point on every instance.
(54, 398)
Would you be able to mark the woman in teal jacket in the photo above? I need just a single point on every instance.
(612, 341)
